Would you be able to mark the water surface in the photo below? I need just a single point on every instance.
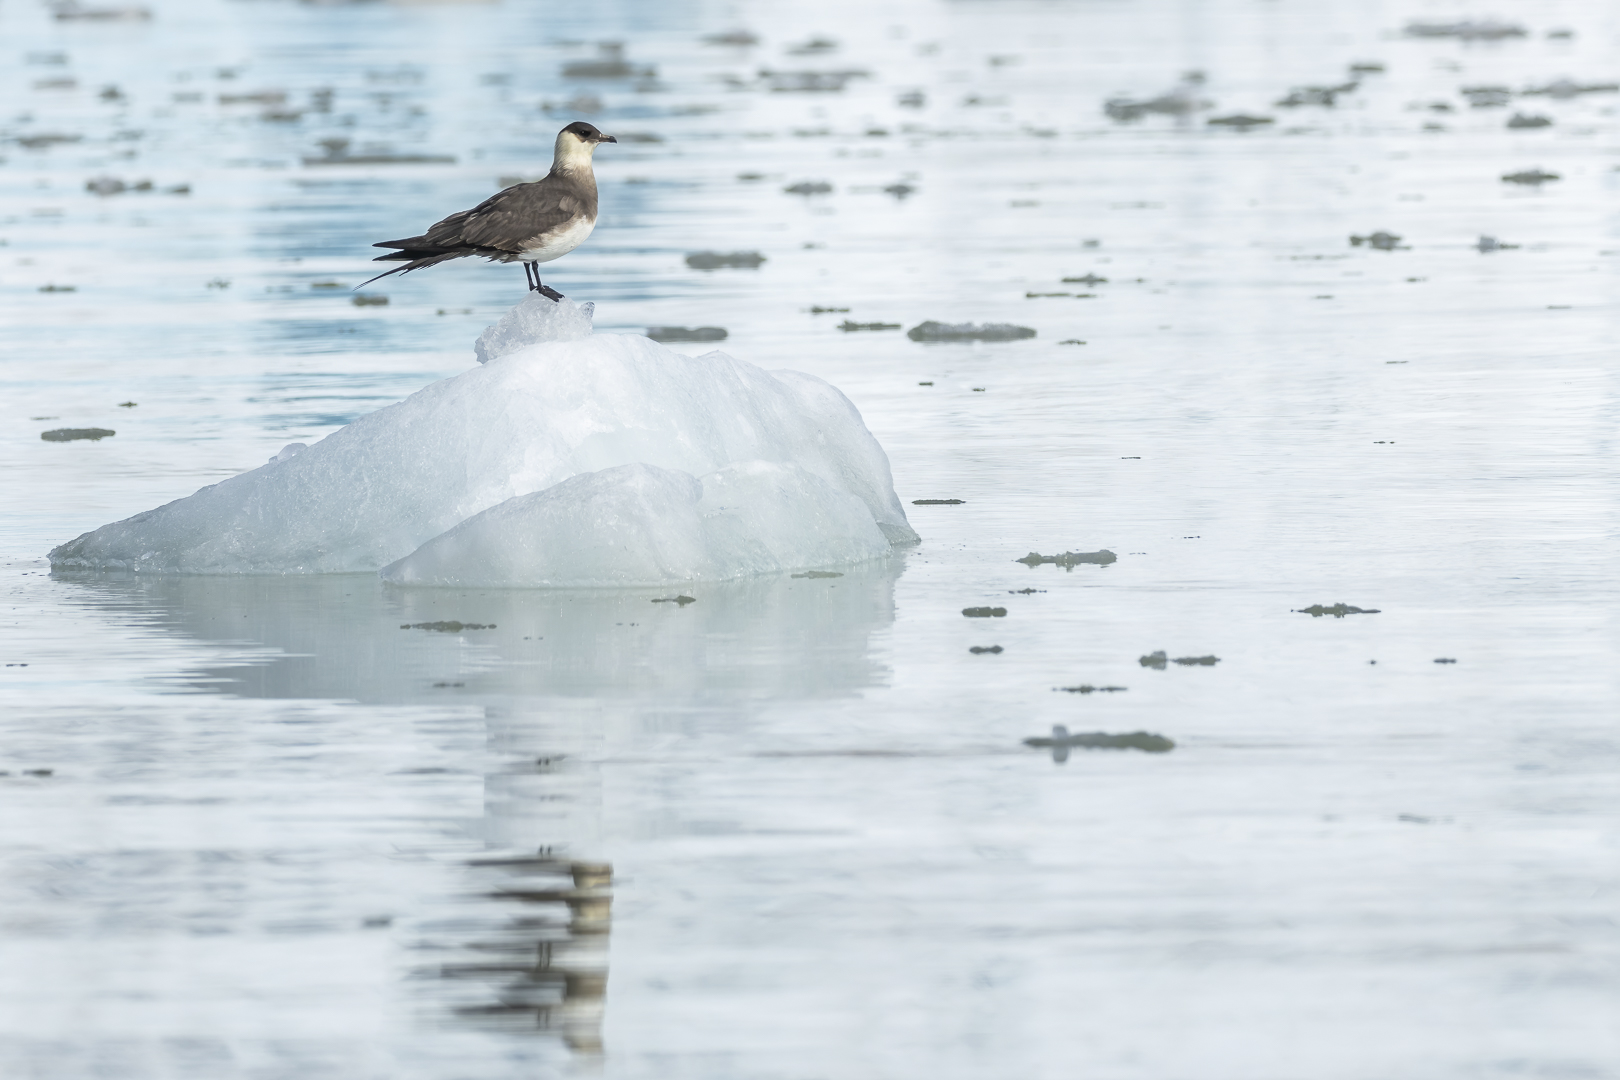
(282, 836)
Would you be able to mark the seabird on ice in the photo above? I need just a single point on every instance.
(527, 223)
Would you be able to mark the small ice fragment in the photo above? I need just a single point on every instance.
(534, 320)
(288, 451)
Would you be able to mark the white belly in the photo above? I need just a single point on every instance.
(559, 242)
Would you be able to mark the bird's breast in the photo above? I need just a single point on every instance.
(557, 242)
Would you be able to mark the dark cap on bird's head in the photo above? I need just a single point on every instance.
(586, 133)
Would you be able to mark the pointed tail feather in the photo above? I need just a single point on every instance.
(379, 277)
(417, 262)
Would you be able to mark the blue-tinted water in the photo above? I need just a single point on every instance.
(282, 836)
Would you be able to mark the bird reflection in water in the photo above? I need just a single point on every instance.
(548, 967)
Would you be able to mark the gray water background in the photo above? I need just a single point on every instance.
(269, 842)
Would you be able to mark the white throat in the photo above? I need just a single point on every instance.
(572, 153)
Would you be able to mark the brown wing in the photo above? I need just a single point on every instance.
(508, 220)
(504, 222)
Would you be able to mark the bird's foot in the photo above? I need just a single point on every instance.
(549, 293)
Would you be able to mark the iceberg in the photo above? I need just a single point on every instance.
(566, 459)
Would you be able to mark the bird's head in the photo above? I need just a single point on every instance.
(576, 143)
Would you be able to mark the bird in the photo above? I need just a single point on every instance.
(527, 223)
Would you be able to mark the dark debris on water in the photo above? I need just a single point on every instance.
(1466, 29)
(685, 333)
(985, 612)
(71, 434)
(1530, 176)
(1338, 611)
(938, 331)
(450, 626)
(1061, 741)
(1158, 660)
(1070, 559)
(1087, 688)
(979, 649)
(715, 260)
(1382, 241)
(1326, 96)
(679, 601)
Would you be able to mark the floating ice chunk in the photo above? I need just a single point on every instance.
(375, 491)
(535, 320)
(288, 451)
(642, 525)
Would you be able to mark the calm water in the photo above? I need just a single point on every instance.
(791, 830)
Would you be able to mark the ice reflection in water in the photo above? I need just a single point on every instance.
(527, 947)
(350, 637)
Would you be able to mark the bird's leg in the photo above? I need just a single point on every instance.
(531, 274)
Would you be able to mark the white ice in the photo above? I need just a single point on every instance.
(642, 525)
(513, 473)
(536, 319)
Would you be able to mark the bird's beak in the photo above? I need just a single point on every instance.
(606, 138)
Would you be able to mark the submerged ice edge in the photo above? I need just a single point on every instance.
(641, 525)
(566, 458)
